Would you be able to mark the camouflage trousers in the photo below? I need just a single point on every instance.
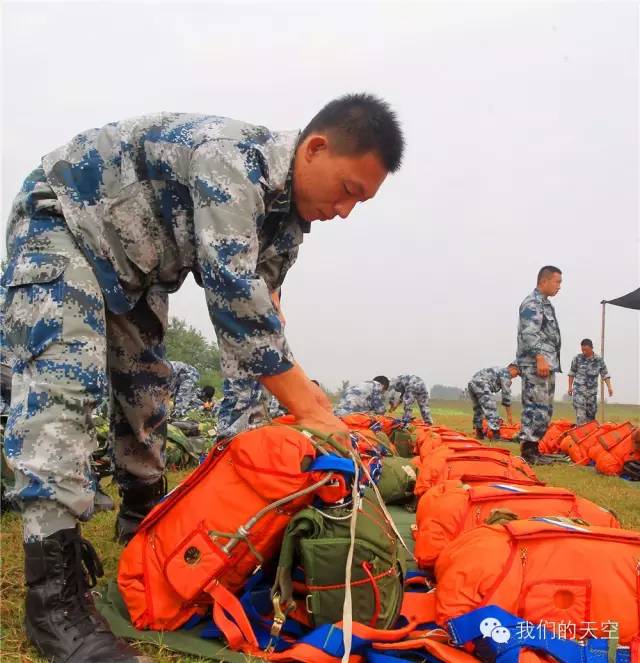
(585, 403)
(420, 398)
(484, 405)
(67, 350)
(537, 404)
(185, 396)
(243, 406)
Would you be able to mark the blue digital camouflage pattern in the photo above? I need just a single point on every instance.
(585, 371)
(363, 397)
(97, 238)
(151, 198)
(538, 332)
(410, 390)
(274, 407)
(482, 387)
(242, 407)
(537, 404)
(184, 388)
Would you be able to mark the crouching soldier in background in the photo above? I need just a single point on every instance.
(482, 387)
(364, 397)
(410, 390)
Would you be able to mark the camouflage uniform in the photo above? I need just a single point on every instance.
(242, 406)
(364, 397)
(184, 388)
(585, 385)
(98, 237)
(274, 407)
(482, 387)
(538, 333)
(410, 389)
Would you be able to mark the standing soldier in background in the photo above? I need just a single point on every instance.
(583, 382)
(482, 387)
(364, 397)
(100, 233)
(539, 360)
(410, 390)
(184, 388)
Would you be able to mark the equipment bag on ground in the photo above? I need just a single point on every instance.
(211, 533)
(545, 570)
(317, 543)
(473, 465)
(451, 508)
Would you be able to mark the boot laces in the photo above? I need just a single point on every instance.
(81, 573)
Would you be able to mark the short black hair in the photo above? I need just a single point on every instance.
(361, 123)
(547, 271)
(587, 341)
(208, 391)
(315, 382)
(383, 380)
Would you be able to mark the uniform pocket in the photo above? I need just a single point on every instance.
(33, 310)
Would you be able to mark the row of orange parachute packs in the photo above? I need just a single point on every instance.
(507, 569)
(613, 448)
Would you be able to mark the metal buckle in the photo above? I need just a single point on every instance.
(279, 618)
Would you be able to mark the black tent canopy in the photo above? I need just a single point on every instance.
(630, 300)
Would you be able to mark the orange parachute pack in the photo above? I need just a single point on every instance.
(186, 556)
(578, 445)
(550, 443)
(615, 448)
(473, 464)
(507, 431)
(545, 570)
(451, 508)
(577, 434)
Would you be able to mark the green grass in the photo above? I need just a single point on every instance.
(621, 496)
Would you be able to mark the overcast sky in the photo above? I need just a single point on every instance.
(521, 122)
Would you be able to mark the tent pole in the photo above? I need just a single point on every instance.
(602, 404)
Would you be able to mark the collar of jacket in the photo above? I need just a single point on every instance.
(282, 201)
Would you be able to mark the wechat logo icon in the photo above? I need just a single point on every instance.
(492, 628)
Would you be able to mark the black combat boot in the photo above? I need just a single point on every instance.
(479, 434)
(60, 618)
(530, 452)
(137, 500)
(495, 435)
(102, 501)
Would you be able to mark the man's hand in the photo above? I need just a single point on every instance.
(542, 366)
(570, 391)
(610, 392)
(324, 422)
(322, 398)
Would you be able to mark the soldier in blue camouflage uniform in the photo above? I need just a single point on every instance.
(410, 390)
(481, 389)
(583, 382)
(364, 397)
(538, 357)
(100, 233)
(184, 388)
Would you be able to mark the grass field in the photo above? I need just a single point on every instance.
(621, 496)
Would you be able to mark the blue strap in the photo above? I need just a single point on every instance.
(506, 635)
(375, 656)
(332, 463)
(328, 638)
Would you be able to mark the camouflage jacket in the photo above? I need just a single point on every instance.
(497, 379)
(152, 198)
(364, 397)
(412, 384)
(585, 371)
(538, 332)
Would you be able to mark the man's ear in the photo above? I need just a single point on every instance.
(315, 144)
